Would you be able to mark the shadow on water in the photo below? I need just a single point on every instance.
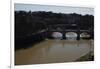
(25, 45)
(29, 41)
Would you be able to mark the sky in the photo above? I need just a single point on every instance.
(55, 9)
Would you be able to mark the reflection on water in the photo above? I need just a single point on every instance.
(53, 51)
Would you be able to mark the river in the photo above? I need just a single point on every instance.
(53, 51)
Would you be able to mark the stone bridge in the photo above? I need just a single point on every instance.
(78, 32)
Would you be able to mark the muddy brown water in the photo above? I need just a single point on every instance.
(53, 51)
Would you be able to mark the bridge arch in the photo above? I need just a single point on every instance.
(84, 35)
(71, 35)
(57, 35)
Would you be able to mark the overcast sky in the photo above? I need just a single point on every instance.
(56, 9)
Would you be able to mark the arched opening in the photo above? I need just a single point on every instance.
(57, 35)
(71, 36)
(84, 35)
